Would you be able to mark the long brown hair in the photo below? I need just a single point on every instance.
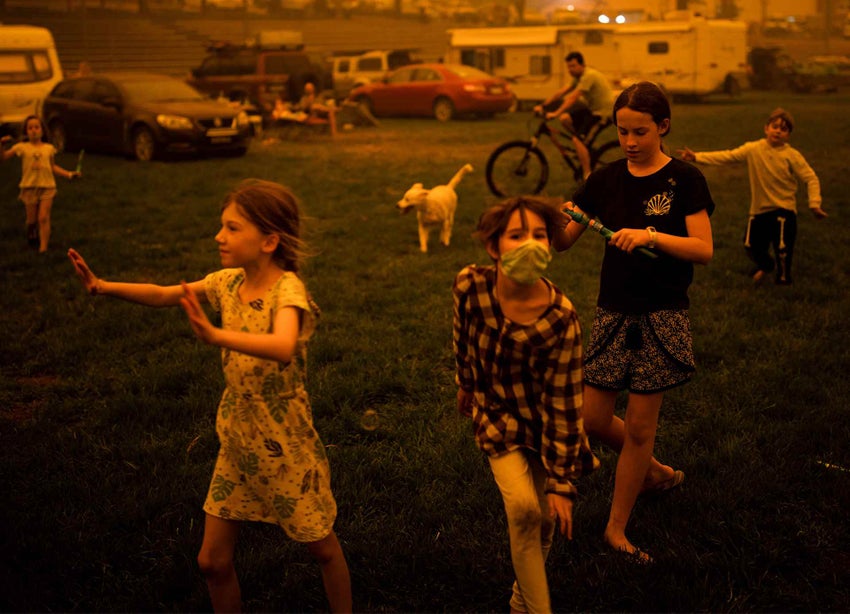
(273, 209)
(645, 97)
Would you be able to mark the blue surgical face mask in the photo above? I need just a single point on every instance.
(526, 263)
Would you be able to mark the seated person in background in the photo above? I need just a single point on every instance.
(308, 106)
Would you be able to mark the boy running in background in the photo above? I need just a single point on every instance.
(775, 170)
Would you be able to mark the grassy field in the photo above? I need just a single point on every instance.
(107, 409)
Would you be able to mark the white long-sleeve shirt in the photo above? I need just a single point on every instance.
(774, 174)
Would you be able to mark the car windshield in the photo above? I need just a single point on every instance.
(160, 91)
(468, 72)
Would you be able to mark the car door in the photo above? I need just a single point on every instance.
(68, 111)
(422, 91)
(106, 116)
(390, 97)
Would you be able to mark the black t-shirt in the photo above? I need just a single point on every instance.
(634, 283)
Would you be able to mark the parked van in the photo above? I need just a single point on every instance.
(686, 54)
(29, 68)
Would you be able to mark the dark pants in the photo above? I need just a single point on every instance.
(774, 228)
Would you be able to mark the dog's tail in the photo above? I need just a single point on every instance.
(467, 168)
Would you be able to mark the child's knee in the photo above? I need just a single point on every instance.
(525, 516)
(325, 550)
(212, 565)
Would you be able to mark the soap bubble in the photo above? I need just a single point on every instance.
(369, 420)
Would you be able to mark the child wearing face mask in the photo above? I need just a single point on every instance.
(517, 345)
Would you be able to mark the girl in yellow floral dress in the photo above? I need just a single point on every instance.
(271, 465)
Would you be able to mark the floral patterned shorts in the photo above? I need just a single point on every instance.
(643, 353)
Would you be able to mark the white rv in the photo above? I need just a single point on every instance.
(29, 68)
(691, 56)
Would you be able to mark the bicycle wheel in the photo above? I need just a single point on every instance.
(516, 168)
(605, 155)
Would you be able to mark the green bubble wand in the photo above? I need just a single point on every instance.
(79, 168)
(597, 226)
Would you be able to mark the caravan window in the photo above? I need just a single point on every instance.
(659, 48)
(24, 67)
(540, 65)
(498, 58)
(593, 37)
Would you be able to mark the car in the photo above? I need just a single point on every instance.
(443, 91)
(352, 70)
(272, 66)
(142, 114)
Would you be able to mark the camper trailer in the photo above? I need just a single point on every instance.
(687, 56)
(29, 68)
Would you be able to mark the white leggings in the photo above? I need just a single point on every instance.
(521, 477)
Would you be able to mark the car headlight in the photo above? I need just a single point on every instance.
(242, 120)
(174, 122)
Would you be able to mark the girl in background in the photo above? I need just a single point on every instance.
(271, 465)
(38, 185)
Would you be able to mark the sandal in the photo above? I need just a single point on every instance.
(664, 485)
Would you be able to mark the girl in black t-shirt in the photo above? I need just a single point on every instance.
(640, 340)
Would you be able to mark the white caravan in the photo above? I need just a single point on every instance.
(687, 56)
(29, 68)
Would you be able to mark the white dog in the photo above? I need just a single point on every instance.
(434, 207)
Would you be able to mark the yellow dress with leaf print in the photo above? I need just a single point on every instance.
(271, 465)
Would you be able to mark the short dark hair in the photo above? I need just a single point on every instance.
(785, 116)
(644, 97)
(575, 55)
(494, 221)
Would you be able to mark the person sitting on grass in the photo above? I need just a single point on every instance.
(264, 418)
(517, 345)
(775, 170)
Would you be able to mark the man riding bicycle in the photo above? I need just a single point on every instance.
(584, 101)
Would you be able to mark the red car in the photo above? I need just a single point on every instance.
(442, 90)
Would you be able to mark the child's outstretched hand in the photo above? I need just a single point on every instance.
(198, 320)
(818, 212)
(686, 154)
(75, 175)
(88, 279)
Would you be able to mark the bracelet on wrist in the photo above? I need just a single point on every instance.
(653, 235)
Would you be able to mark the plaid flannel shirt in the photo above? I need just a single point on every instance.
(526, 380)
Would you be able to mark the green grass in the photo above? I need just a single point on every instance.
(107, 409)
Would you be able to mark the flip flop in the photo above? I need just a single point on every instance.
(664, 485)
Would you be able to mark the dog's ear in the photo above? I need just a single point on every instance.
(416, 186)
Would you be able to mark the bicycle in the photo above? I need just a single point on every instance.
(520, 167)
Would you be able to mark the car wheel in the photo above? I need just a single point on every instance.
(58, 136)
(144, 145)
(444, 110)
